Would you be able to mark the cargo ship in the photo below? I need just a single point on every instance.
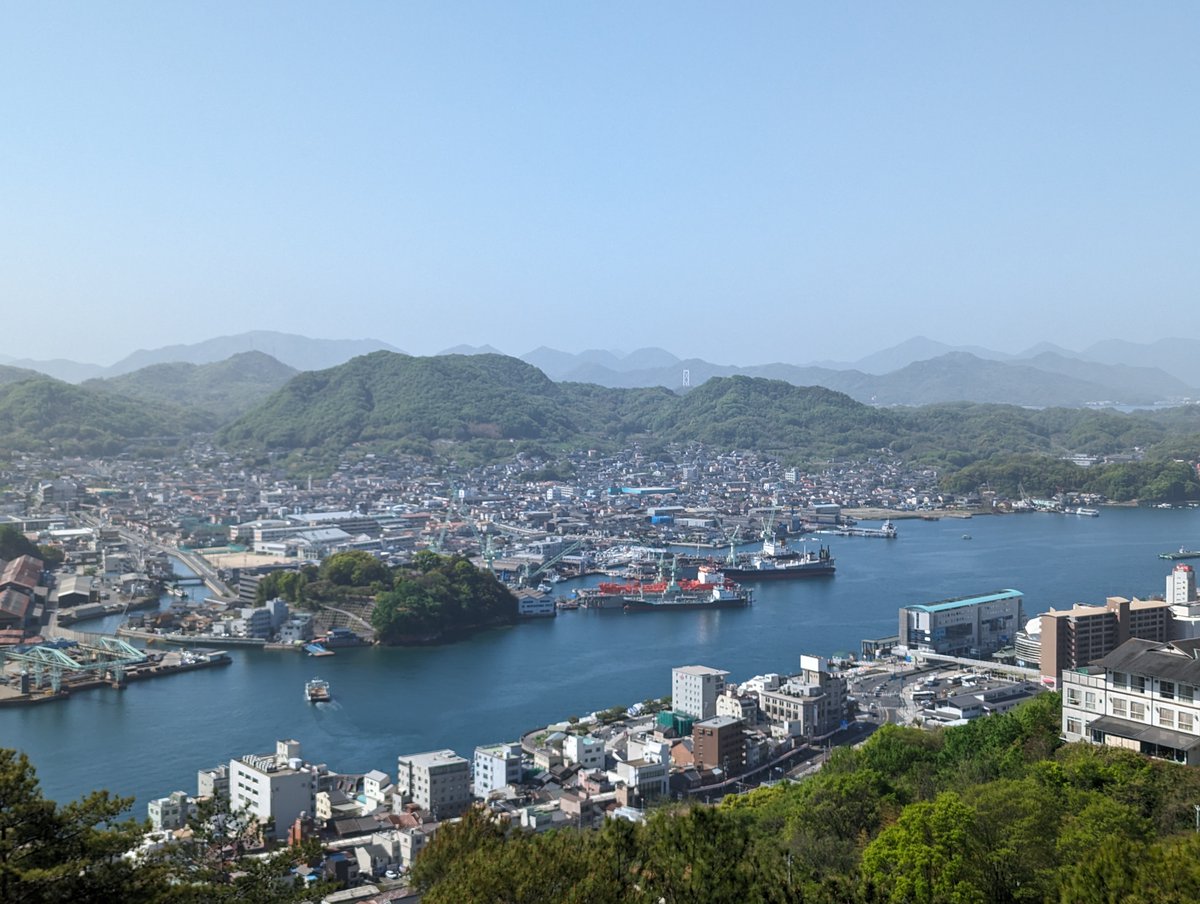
(763, 567)
(675, 598)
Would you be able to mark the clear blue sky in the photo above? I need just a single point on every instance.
(738, 182)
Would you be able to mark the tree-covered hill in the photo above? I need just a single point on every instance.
(37, 415)
(224, 389)
(391, 397)
(489, 400)
(778, 418)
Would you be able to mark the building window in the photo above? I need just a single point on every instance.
(1118, 679)
(1185, 722)
(1186, 692)
(1137, 683)
(1089, 699)
(1074, 726)
(1137, 710)
(1166, 690)
(1072, 696)
(1118, 707)
(1166, 717)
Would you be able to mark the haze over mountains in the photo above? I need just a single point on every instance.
(917, 371)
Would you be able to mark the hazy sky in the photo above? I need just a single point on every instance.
(738, 182)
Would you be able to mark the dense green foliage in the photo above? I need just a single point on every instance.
(14, 544)
(79, 852)
(440, 596)
(36, 415)
(224, 389)
(993, 811)
(490, 406)
(1149, 481)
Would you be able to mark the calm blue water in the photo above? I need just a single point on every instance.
(150, 739)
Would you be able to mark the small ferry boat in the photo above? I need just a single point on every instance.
(317, 691)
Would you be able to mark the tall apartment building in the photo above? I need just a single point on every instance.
(1072, 638)
(1143, 696)
(974, 627)
(717, 743)
(496, 766)
(694, 690)
(274, 788)
(438, 781)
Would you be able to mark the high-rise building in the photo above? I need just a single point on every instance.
(694, 690)
(971, 626)
(1181, 586)
(1075, 637)
(439, 781)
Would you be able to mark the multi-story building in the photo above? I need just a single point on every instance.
(1074, 637)
(647, 778)
(585, 750)
(811, 705)
(695, 689)
(496, 766)
(1181, 586)
(739, 706)
(213, 783)
(273, 788)
(170, 812)
(974, 627)
(1143, 696)
(438, 781)
(717, 744)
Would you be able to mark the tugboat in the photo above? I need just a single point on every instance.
(317, 691)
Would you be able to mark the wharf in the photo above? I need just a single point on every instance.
(189, 640)
(74, 615)
(170, 664)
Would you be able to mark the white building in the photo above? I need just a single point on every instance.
(1143, 696)
(695, 689)
(1185, 607)
(438, 781)
(496, 766)
(170, 812)
(584, 750)
(647, 778)
(376, 786)
(275, 789)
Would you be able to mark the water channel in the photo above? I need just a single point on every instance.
(150, 738)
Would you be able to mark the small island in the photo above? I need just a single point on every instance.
(433, 599)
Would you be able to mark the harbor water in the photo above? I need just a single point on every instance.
(150, 738)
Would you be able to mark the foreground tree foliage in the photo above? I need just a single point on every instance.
(81, 852)
(993, 811)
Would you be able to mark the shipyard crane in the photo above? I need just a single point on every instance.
(731, 538)
(527, 576)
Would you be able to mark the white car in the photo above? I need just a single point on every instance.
(391, 874)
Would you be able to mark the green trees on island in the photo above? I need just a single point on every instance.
(440, 596)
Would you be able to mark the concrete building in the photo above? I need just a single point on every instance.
(584, 750)
(213, 782)
(695, 689)
(438, 781)
(717, 744)
(811, 705)
(648, 779)
(1075, 637)
(170, 812)
(274, 788)
(1181, 586)
(738, 706)
(1144, 696)
(496, 766)
(973, 627)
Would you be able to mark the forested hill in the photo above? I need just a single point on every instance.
(223, 389)
(386, 396)
(43, 414)
(492, 400)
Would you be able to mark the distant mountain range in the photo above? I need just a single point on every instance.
(918, 371)
(298, 352)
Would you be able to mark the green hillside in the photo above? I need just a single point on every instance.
(38, 415)
(388, 397)
(225, 389)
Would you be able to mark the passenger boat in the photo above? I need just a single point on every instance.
(317, 691)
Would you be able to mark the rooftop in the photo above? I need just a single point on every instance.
(962, 602)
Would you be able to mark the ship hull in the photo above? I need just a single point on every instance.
(777, 574)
